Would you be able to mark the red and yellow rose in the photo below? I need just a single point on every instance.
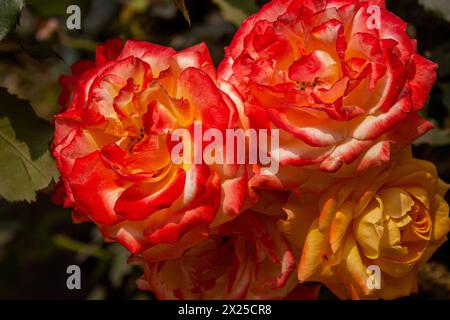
(113, 147)
(342, 92)
(348, 195)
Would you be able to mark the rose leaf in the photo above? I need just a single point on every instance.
(26, 165)
(9, 15)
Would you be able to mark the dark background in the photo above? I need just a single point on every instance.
(38, 240)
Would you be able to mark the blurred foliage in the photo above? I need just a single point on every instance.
(182, 6)
(438, 7)
(9, 15)
(236, 11)
(434, 280)
(38, 240)
(25, 161)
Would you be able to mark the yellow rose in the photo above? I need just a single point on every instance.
(367, 236)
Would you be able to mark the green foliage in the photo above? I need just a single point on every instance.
(20, 74)
(182, 6)
(119, 266)
(9, 15)
(248, 6)
(25, 161)
(236, 11)
(438, 7)
(49, 8)
(435, 138)
(93, 250)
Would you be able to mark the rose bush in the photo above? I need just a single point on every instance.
(345, 97)
(341, 91)
(113, 148)
(393, 217)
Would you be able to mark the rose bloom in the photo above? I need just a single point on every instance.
(247, 258)
(113, 143)
(344, 94)
(393, 217)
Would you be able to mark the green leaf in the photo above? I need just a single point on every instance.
(19, 77)
(26, 165)
(439, 7)
(28, 128)
(182, 7)
(236, 11)
(9, 15)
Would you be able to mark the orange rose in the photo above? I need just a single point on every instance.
(392, 219)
